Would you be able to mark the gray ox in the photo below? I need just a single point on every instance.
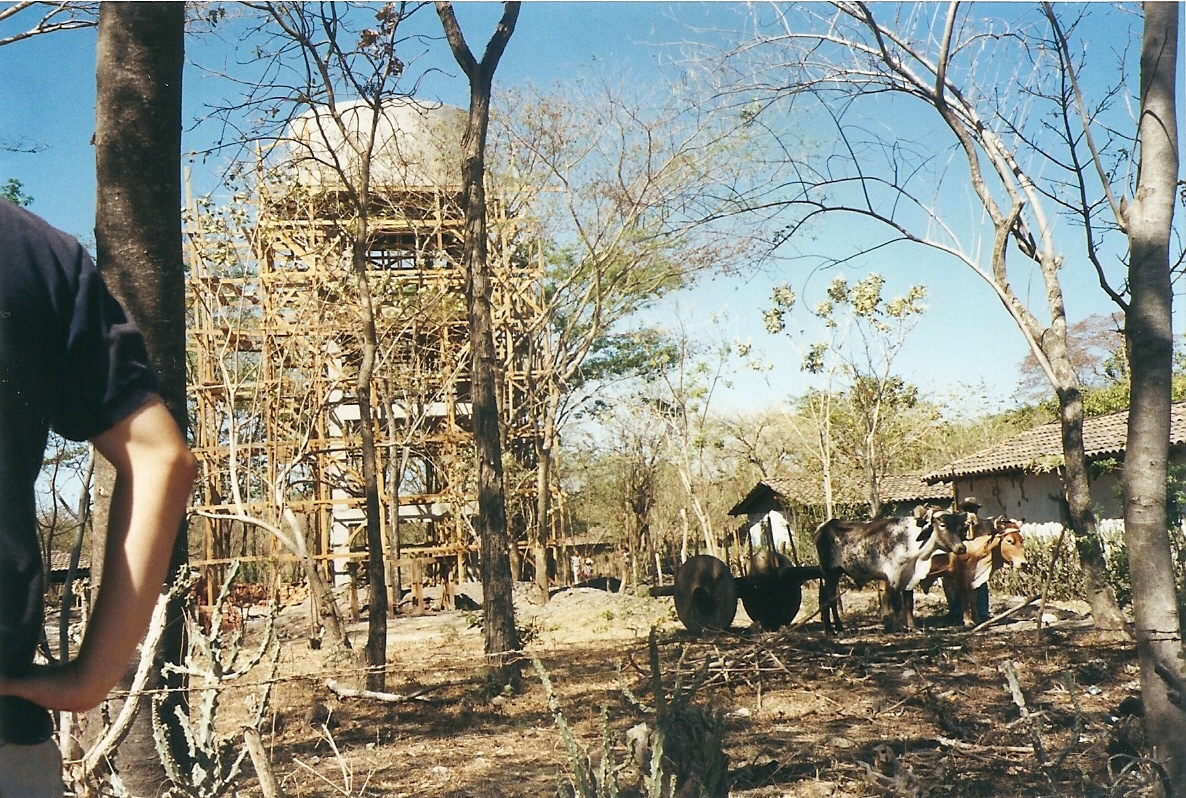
(896, 551)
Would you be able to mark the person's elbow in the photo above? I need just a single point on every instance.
(173, 467)
(82, 699)
(183, 468)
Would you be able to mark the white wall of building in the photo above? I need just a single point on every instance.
(1036, 498)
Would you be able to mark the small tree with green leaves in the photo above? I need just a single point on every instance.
(863, 333)
(14, 191)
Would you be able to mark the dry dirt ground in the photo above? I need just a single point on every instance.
(803, 715)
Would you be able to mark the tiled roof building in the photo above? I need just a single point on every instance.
(1040, 448)
(1021, 477)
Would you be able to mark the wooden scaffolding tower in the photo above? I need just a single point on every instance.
(274, 347)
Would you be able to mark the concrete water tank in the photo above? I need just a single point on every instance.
(416, 144)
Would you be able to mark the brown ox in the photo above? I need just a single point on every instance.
(896, 551)
(996, 543)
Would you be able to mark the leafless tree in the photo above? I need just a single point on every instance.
(678, 392)
(632, 193)
(46, 17)
(1094, 344)
(253, 494)
(501, 636)
(626, 466)
(327, 84)
(923, 103)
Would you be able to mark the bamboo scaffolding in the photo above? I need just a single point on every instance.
(272, 345)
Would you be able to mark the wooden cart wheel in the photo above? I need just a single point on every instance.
(771, 601)
(705, 594)
(773, 590)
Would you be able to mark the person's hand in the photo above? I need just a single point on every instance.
(55, 687)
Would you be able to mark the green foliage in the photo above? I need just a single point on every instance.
(1066, 582)
(1105, 465)
(14, 191)
(1118, 574)
(1107, 391)
(864, 412)
(587, 780)
(617, 356)
(1175, 498)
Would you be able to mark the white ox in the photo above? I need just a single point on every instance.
(896, 551)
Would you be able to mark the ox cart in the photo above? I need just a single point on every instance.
(706, 593)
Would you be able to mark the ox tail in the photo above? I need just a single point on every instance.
(830, 570)
(825, 544)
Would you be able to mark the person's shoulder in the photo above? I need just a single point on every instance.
(19, 222)
(14, 217)
(33, 246)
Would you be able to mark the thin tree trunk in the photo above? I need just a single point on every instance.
(376, 647)
(1149, 338)
(825, 441)
(1105, 609)
(543, 509)
(871, 478)
(138, 240)
(501, 636)
(545, 460)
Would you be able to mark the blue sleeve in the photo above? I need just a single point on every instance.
(106, 374)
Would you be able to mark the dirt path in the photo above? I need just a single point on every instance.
(803, 715)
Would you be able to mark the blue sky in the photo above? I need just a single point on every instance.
(965, 340)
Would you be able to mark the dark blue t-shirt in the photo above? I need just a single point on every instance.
(69, 360)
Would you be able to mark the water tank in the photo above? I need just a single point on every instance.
(416, 145)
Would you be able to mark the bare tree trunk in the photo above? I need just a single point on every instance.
(871, 478)
(1149, 338)
(543, 510)
(545, 461)
(138, 238)
(502, 638)
(1105, 609)
(376, 647)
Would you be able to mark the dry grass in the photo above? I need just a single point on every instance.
(806, 715)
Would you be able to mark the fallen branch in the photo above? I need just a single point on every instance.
(1031, 718)
(389, 698)
(1003, 615)
(259, 758)
(985, 749)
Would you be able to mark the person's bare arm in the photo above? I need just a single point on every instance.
(154, 475)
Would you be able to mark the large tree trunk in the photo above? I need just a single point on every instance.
(1051, 342)
(1149, 339)
(138, 238)
(501, 636)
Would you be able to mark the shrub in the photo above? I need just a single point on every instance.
(1066, 583)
